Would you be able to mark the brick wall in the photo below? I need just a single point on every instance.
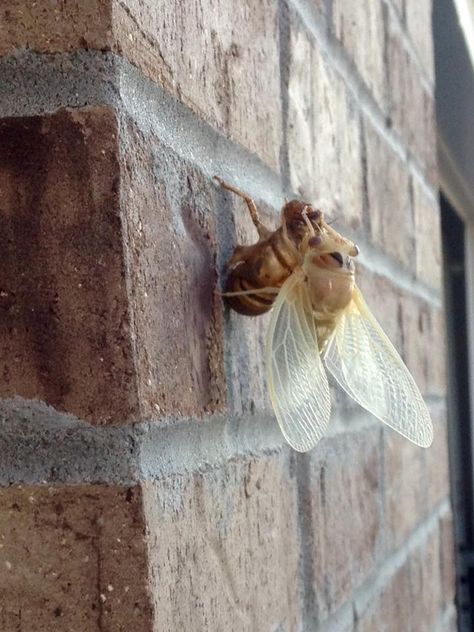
(145, 484)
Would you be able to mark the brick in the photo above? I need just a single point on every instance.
(411, 106)
(405, 487)
(223, 553)
(64, 321)
(324, 139)
(388, 191)
(390, 609)
(424, 342)
(218, 57)
(437, 461)
(359, 27)
(52, 27)
(427, 237)
(426, 596)
(447, 559)
(344, 504)
(384, 301)
(73, 558)
(419, 27)
(171, 250)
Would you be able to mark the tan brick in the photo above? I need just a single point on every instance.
(171, 249)
(345, 509)
(64, 322)
(419, 27)
(405, 487)
(219, 57)
(223, 552)
(73, 558)
(424, 342)
(437, 461)
(426, 596)
(359, 26)
(427, 237)
(324, 134)
(411, 107)
(388, 191)
(383, 300)
(447, 559)
(51, 27)
(391, 608)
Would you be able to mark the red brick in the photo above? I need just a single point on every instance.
(218, 57)
(73, 558)
(171, 251)
(411, 107)
(223, 553)
(345, 509)
(419, 27)
(388, 190)
(51, 27)
(405, 487)
(359, 26)
(64, 319)
(427, 237)
(324, 134)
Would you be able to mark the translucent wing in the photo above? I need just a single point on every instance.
(297, 380)
(365, 363)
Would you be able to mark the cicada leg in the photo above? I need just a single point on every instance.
(262, 230)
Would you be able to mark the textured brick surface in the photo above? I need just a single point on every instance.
(171, 252)
(359, 27)
(437, 461)
(324, 134)
(64, 323)
(447, 559)
(344, 504)
(419, 27)
(428, 237)
(220, 58)
(424, 343)
(73, 558)
(388, 192)
(224, 554)
(390, 610)
(426, 596)
(411, 107)
(405, 487)
(49, 26)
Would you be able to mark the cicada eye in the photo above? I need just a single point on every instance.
(315, 241)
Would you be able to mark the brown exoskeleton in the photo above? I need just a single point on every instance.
(304, 271)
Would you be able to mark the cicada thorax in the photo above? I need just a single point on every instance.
(269, 262)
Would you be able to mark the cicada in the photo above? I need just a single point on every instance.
(304, 272)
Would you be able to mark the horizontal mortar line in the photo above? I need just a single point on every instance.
(372, 586)
(156, 111)
(40, 445)
(410, 47)
(363, 97)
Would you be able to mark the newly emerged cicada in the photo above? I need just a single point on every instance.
(304, 272)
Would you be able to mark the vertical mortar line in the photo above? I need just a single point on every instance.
(366, 217)
(285, 59)
(305, 523)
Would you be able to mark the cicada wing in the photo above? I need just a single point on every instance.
(297, 380)
(367, 366)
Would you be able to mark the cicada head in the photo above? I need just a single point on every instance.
(329, 266)
(297, 217)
